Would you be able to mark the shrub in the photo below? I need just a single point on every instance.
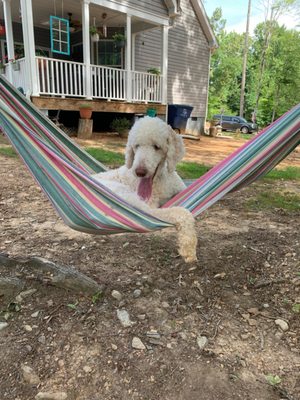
(121, 125)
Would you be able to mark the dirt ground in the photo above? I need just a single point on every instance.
(207, 150)
(209, 329)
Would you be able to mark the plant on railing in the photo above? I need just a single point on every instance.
(154, 71)
(15, 64)
(121, 125)
(3, 61)
(119, 39)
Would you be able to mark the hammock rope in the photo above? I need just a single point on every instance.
(63, 169)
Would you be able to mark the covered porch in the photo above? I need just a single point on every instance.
(94, 70)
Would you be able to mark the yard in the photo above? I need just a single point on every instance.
(226, 327)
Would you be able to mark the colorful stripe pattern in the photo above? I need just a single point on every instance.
(63, 169)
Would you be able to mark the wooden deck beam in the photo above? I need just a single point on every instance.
(57, 103)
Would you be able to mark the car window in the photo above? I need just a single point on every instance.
(236, 120)
(224, 118)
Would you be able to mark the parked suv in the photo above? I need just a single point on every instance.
(233, 123)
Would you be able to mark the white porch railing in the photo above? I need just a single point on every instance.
(60, 77)
(146, 87)
(17, 72)
(108, 83)
(67, 78)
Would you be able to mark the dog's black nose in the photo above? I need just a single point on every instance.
(141, 172)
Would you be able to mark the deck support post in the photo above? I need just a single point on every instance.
(86, 47)
(128, 58)
(29, 45)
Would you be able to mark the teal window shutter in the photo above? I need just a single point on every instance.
(59, 35)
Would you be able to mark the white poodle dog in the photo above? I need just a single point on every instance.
(148, 179)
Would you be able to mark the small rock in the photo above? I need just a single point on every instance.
(87, 369)
(282, 324)
(154, 337)
(114, 347)
(138, 344)
(137, 293)
(141, 317)
(124, 318)
(27, 328)
(29, 375)
(21, 296)
(51, 396)
(35, 314)
(202, 342)
(42, 339)
(165, 304)
(116, 295)
(60, 363)
(3, 325)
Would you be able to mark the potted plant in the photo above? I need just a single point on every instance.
(85, 111)
(2, 67)
(154, 71)
(94, 34)
(15, 64)
(119, 39)
(121, 125)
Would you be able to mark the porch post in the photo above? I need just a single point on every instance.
(128, 57)
(29, 45)
(164, 63)
(85, 10)
(9, 35)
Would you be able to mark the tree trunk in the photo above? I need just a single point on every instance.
(264, 58)
(243, 84)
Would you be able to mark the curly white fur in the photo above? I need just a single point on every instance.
(148, 179)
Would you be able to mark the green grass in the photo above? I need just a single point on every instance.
(191, 170)
(8, 151)
(287, 174)
(271, 199)
(109, 158)
(187, 170)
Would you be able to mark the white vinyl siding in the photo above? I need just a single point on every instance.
(157, 7)
(188, 59)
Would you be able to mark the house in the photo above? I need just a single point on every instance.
(62, 51)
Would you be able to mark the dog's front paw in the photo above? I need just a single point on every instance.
(188, 254)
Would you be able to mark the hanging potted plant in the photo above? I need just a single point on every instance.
(119, 40)
(94, 34)
(85, 111)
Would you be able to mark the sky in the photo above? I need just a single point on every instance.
(235, 13)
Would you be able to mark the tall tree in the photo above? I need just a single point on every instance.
(243, 83)
(273, 9)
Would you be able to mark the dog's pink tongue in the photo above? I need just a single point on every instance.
(145, 188)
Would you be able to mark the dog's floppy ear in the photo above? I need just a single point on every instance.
(175, 150)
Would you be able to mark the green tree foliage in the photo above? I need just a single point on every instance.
(279, 84)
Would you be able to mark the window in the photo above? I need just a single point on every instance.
(107, 54)
(60, 35)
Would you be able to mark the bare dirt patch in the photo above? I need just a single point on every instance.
(247, 276)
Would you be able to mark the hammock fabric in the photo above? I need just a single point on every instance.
(63, 169)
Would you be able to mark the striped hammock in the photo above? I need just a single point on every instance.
(63, 169)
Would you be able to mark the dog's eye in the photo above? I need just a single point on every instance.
(156, 147)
